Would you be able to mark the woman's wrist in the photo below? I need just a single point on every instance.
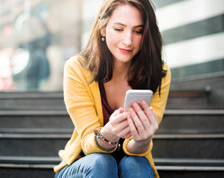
(103, 143)
(138, 147)
(107, 132)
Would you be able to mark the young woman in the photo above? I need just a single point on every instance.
(123, 52)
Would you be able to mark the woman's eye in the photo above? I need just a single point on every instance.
(139, 31)
(118, 29)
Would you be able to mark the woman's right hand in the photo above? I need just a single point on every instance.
(117, 127)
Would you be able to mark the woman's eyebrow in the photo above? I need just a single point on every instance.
(118, 23)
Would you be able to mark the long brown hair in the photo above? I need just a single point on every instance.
(146, 71)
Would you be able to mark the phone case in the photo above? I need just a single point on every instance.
(137, 96)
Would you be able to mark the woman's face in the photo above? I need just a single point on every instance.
(124, 33)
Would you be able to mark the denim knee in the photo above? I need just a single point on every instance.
(91, 166)
(102, 165)
(135, 166)
(103, 161)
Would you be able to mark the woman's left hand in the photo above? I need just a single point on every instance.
(143, 122)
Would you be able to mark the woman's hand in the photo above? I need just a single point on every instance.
(143, 124)
(117, 127)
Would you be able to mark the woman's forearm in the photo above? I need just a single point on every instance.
(138, 147)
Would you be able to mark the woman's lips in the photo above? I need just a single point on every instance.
(125, 50)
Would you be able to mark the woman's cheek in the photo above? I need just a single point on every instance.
(139, 41)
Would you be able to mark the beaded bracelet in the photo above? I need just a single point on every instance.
(110, 149)
(103, 140)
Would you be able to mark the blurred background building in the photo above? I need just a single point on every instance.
(37, 36)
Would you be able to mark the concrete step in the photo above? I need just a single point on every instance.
(213, 82)
(32, 160)
(31, 101)
(32, 144)
(191, 146)
(190, 172)
(35, 119)
(174, 120)
(185, 99)
(204, 146)
(36, 131)
(189, 99)
(25, 171)
(192, 121)
(188, 168)
(189, 162)
(54, 160)
(21, 167)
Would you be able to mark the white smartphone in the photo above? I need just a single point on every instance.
(137, 96)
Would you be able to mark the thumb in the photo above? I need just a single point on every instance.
(121, 110)
(118, 111)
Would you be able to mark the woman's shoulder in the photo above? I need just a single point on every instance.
(75, 66)
(75, 61)
(168, 72)
(166, 68)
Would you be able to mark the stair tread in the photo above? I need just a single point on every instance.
(161, 164)
(194, 111)
(35, 94)
(184, 160)
(66, 135)
(64, 112)
(160, 132)
(190, 168)
(35, 136)
(35, 130)
(45, 159)
(32, 112)
(30, 95)
(156, 160)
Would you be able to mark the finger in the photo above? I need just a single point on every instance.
(144, 105)
(128, 135)
(150, 113)
(124, 132)
(116, 112)
(118, 127)
(142, 116)
(154, 113)
(132, 127)
(119, 118)
(151, 116)
(150, 124)
(137, 122)
(154, 119)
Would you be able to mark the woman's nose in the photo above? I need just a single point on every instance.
(127, 40)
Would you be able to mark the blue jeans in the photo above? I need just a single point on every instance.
(99, 165)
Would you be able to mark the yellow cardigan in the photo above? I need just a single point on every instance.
(83, 103)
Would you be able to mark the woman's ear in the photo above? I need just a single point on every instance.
(103, 31)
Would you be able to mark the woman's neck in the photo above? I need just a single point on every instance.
(120, 71)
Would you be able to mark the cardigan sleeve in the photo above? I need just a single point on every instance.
(158, 103)
(80, 105)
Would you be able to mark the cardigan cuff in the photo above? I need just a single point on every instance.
(125, 144)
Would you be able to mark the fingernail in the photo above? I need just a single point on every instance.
(135, 104)
(121, 110)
